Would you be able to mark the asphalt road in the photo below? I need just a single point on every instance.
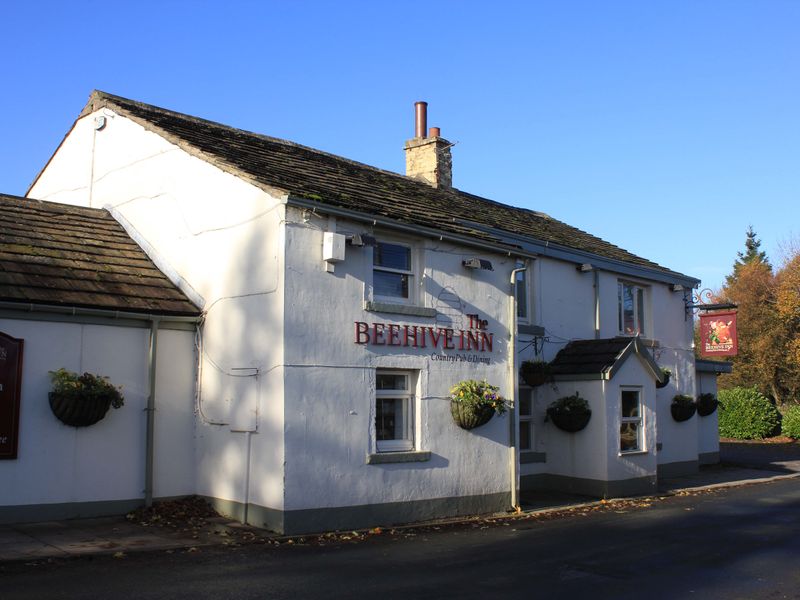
(734, 543)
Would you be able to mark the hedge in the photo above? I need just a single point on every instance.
(746, 414)
(790, 426)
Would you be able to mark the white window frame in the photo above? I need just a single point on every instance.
(408, 396)
(522, 279)
(526, 420)
(412, 273)
(639, 319)
(639, 421)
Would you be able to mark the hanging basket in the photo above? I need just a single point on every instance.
(706, 404)
(82, 400)
(535, 372)
(666, 373)
(570, 421)
(76, 411)
(470, 417)
(682, 408)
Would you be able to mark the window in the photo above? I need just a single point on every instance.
(394, 411)
(630, 429)
(392, 274)
(521, 288)
(631, 308)
(525, 419)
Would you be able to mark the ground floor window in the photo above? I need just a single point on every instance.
(394, 411)
(525, 419)
(630, 430)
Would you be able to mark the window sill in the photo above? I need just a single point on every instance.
(400, 309)
(527, 457)
(528, 329)
(633, 453)
(386, 458)
(649, 342)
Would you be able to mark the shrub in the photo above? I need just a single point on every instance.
(746, 414)
(790, 427)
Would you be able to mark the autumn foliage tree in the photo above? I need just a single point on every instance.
(768, 323)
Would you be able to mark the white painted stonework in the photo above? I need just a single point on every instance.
(275, 418)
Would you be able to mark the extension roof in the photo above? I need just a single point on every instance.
(600, 359)
(68, 256)
(313, 178)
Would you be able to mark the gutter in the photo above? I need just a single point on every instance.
(430, 232)
(104, 313)
(536, 247)
(512, 425)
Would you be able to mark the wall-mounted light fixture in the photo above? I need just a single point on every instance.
(361, 239)
(676, 287)
(478, 263)
(585, 267)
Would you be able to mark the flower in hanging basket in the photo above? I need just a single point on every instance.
(473, 403)
(535, 372)
(706, 404)
(82, 400)
(682, 407)
(570, 413)
(665, 375)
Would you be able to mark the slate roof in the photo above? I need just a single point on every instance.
(327, 179)
(57, 254)
(599, 357)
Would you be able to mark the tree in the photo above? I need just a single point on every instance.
(751, 255)
(768, 323)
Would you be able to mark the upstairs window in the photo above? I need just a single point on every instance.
(392, 274)
(631, 300)
(521, 288)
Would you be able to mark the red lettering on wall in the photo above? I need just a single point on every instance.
(472, 340)
(435, 337)
(377, 334)
(394, 334)
(412, 335)
(362, 333)
(486, 341)
(448, 339)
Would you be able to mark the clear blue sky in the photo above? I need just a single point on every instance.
(664, 127)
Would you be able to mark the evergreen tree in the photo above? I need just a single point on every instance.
(751, 255)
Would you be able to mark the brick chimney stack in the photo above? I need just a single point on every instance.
(428, 158)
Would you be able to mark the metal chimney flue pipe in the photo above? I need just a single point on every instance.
(421, 119)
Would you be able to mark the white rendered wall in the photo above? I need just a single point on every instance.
(330, 379)
(221, 237)
(707, 427)
(582, 454)
(593, 453)
(61, 464)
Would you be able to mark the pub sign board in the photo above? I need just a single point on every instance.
(10, 385)
(718, 334)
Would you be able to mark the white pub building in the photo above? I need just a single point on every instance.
(287, 325)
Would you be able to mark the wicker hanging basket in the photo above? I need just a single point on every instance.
(706, 404)
(76, 411)
(535, 372)
(682, 408)
(470, 417)
(570, 421)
